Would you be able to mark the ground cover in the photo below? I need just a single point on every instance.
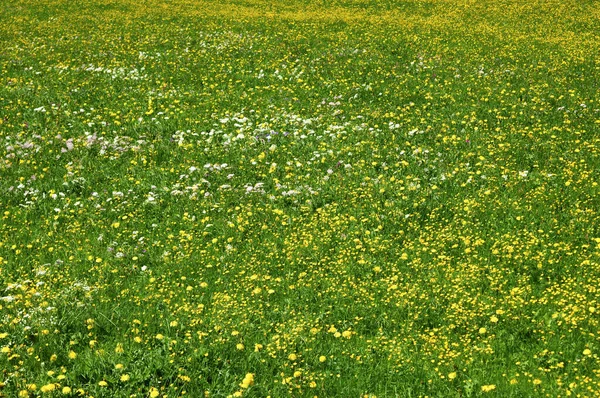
(299, 198)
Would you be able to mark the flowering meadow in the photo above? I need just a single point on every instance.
(252, 198)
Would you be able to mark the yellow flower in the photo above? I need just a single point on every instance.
(239, 346)
(452, 375)
(482, 331)
(292, 357)
(537, 382)
(347, 334)
(297, 373)
(124, 377)
(587, 352)
(66, 390)
(72, 354)
(102, 383)
(248, 380)
(48, 388)
(322, 358)
(3, 335)
(23, 393)
(154, 392)
(159, 336)
(494, 319)
(119, 348)
(488, 388)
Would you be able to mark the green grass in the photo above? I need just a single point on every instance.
(332, 199)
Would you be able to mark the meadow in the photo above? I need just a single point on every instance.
(251, 198)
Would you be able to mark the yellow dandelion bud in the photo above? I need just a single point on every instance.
(53, 358)
(119, 348)
(102, 383)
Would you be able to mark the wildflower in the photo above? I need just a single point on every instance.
(452, 375)
(48, 388)
(154, 392)
(322, 358)
(248, 380)
(124, 378)
(72, 355)
(587, 352)
(66, 390)
(488, 388)
(102, 383)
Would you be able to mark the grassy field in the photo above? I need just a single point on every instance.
(299, 198)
